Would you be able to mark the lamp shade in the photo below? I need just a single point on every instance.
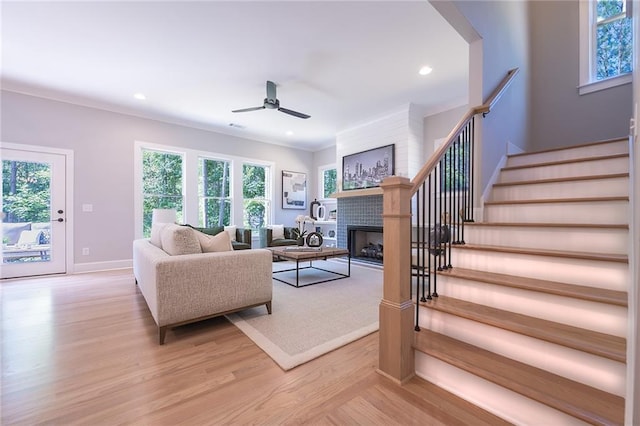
(163, 216)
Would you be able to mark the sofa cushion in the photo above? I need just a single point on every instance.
(231, 230)
(214, 243)
(277, 232)
(178, 240)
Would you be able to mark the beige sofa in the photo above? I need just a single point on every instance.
(184, 288)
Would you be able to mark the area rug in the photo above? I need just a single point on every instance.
(308, 322)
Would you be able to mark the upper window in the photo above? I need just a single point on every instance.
(214, 193)
(606, 44)
(161, 184)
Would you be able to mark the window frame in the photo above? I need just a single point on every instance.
(229, 197)
(321, 188)
(588, 31)
(267, 200)
(190, 182)
(141, 193)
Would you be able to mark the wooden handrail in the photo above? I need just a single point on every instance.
(485, 108)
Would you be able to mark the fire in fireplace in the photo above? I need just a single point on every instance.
(365, 243)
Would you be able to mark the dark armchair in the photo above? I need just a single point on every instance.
(266, 238)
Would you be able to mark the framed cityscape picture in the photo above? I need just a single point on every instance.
(294, 190)
(367, 169)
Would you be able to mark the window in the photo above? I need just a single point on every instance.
(256, 192)
(606, 38)
(614, 41)
(161, 184)
(214, 193)
(328, 180)
(207, 189)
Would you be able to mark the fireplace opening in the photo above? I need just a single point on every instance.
(365, 243)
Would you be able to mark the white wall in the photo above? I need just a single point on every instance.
(402, 128)
(559, 115)
(102, 143)
(503, 27)
(438, 126)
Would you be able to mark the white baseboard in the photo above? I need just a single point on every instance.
(492, 180)
(102, 266)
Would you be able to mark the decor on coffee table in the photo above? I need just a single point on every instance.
(300, 231)
(314, 239)
(367, 169)
(294, 190)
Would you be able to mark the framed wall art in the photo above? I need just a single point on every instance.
(294, 190)
(367, 169)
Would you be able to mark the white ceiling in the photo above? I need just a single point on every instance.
(343, 63)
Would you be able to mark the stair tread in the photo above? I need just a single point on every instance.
(561, 179)
(600, 295)
(576, 399)
(572, 147)
(593, 342)
(605, 257)
(567, 161)
(550, 225)
(557, 200)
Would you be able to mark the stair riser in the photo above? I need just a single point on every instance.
(607, 275)
(582, 367)
(493, 398)
(589, 240)
(584, 314)
(619, 147)
(586, 168)
(613, 187)
(584, 212)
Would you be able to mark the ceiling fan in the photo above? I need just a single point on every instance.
(271, 102)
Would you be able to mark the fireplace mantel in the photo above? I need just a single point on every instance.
(358, 193)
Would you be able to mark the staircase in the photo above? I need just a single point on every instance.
(531, 321)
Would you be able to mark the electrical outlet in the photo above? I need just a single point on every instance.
(85, 251)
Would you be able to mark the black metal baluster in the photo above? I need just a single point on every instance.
(429, 242)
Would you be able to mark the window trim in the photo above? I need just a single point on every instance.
(587, 82)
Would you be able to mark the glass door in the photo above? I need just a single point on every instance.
(33, 216)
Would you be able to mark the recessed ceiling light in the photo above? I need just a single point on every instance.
(289, 133)
(140, 96)
(425, 70)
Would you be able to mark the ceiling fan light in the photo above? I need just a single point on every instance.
(425, 70)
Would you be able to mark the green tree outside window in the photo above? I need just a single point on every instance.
(214, 191)
(161, 185)
(256, 202)
(614, 39)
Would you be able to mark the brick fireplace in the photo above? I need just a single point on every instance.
(359, 213)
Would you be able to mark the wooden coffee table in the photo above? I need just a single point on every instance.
(307, 254)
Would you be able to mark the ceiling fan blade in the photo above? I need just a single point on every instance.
(248, 109)
(294, 113)
(271, 90)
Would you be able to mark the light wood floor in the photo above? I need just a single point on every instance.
(82, 350)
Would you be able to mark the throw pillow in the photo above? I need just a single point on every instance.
(156, 232)
(178, 240)
(277, 232)
(231, 230)
(214, 243)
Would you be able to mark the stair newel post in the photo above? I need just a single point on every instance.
(396, 359)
